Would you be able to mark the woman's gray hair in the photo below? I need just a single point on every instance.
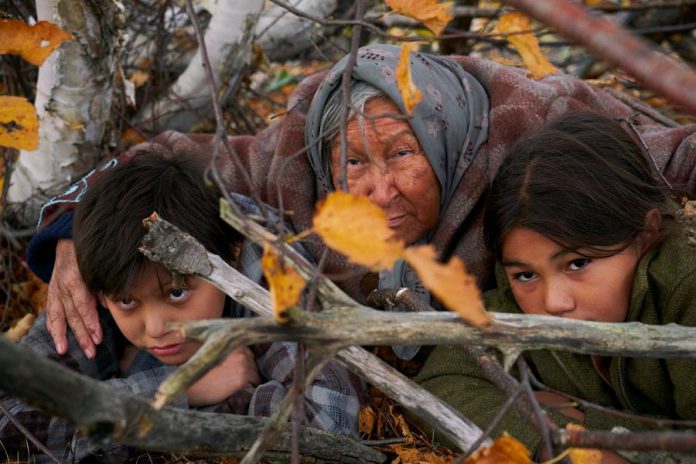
(360, 93)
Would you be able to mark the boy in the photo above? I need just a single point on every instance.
(139, 298)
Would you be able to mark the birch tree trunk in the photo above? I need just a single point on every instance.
(73, 100)
(228, 41)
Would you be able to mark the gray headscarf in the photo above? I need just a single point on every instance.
(450, 122)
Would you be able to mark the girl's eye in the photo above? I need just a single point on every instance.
(578, 264)
(178, 294)
(126, 303)
(524, 276)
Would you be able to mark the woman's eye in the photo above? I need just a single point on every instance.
(126, 303)
(524, 276)
(178, 294)
(578, 264)
(405, 152)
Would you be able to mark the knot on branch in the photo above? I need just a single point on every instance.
(179, 252)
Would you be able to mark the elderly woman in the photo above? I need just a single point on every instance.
(429, 171)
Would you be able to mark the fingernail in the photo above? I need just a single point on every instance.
(61, 348)
(96, 338)
(90, 352)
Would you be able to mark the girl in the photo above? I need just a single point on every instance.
(581, 229)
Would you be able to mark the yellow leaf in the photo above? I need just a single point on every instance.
(33, 43)
(410, 93)
(19, 126)
(366, 420)
(583, 455)
(526, 44)
(286, 284)
(21, 328)
(357, 228)
(450, 283)
(434, 15)
(504, 449)
(138, 77)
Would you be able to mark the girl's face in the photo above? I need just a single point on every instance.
(548, 279)
(153, 301)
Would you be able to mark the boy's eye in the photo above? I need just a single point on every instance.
(178, 294)
(352, 162)
(524, 276)
(126, 303)
(578, 264)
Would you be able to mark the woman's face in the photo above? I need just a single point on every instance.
(549, 279)
(386, 163)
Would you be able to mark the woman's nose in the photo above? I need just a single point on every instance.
(559, 299)
(382, 189)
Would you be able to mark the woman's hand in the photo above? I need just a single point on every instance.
(235, 373)
(69, 300)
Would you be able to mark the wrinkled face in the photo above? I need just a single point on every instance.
(386, 163)
(549, 279)
(153, 301)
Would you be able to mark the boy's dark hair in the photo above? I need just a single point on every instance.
(581, 181)
(108, 219)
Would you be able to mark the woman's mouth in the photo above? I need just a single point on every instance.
(396, 221)
(166, 350)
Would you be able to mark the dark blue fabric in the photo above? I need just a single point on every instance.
(41, 253)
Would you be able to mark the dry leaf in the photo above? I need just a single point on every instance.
(526, 44)
(138, 77)
(21, 328)
(449, 282)
(357, 228)
(504, 449)
(285, 283)
(33, 43)
(366, 420)
(434, 15)
(583, 455)
(19, 126)
(409, 92)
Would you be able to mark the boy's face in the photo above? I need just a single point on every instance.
(549, 279)
(153, 301)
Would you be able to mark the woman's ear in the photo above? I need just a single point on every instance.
(652, 230)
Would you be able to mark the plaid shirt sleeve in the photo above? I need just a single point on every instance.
(332, 401)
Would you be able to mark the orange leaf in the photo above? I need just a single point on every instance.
(504, 449)
(434, 15)
(357, 228)
(450, 283)
(526, 44)
(21, 328)
(19, 126)
(410, 93)
(583, 455)
(33, 43)
(366, 420)
(138, 77)
(286, 284)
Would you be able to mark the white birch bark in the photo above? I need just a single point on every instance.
(73, 101)
(234, 25)
(228, 41)
(283, 34)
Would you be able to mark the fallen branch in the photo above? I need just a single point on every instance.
(631, 53)
(104, 413)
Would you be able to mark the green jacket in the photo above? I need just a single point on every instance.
(664, 291)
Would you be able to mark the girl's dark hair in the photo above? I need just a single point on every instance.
(108, 219)
(581, 181)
